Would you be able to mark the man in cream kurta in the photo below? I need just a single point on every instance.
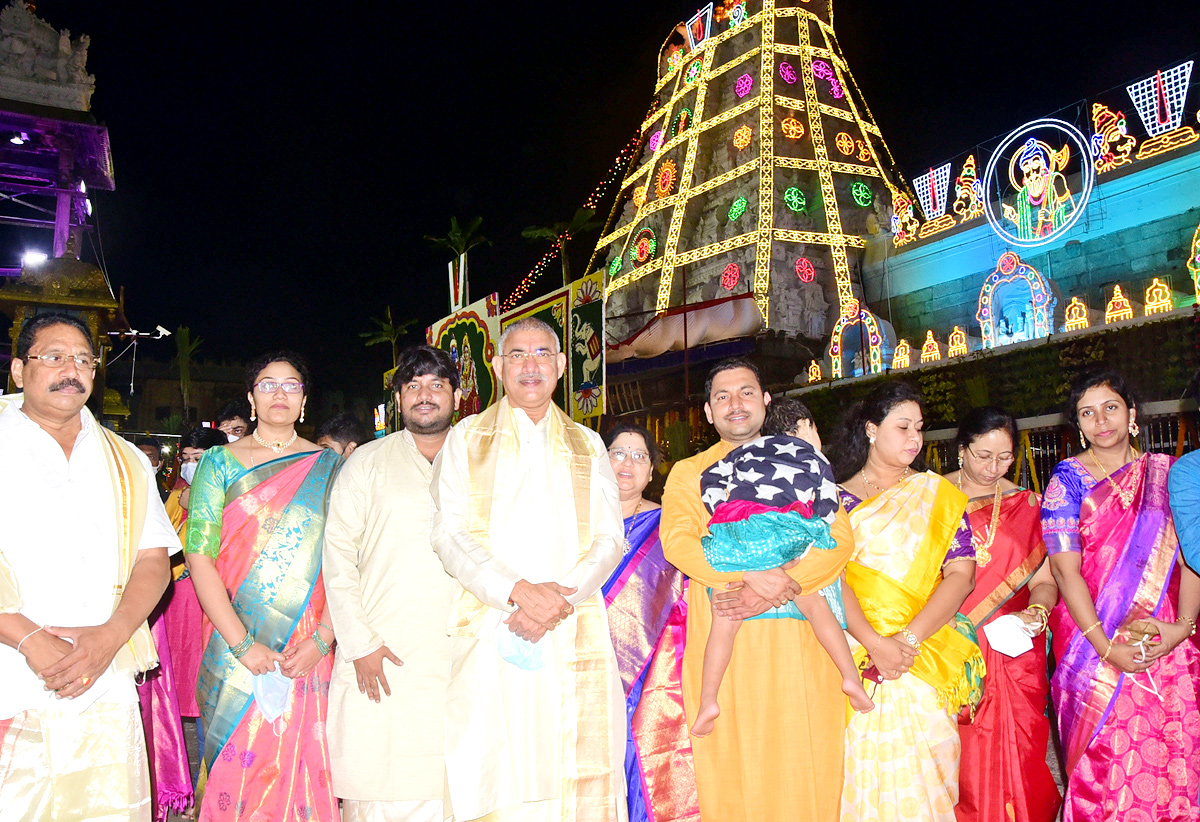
(528, 522)
(389, 599)
(85, 545)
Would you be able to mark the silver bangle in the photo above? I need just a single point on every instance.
(28, 635)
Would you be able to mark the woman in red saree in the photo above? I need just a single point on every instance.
(255, 527)
(1126, 683)
(1004, 776)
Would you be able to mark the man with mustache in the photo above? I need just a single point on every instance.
(776, 751)
(82, 563)
(528, 521)
(389, 599)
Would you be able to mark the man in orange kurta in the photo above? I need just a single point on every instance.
(776, 751)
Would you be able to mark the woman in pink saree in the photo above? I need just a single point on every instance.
(1125, 688)
(255, 528)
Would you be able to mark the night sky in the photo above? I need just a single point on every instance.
(277, 165)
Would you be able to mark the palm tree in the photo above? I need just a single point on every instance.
(560, 233)
(458, 242)
(387, 331)
(185, 351)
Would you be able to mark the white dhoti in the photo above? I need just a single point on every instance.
(57, 766)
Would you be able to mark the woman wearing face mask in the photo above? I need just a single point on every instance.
(647, 615)
(1004, 773)
(1125, 688)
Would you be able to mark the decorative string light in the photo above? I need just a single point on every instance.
(639, 196)
(738, 208)
(930, 352)
(1076, 315)
(693, 71)
(805, 270)
(614, 268)
(682, 120)
(968, 192)
(958, 343)
(666, 179)
(644, 246)
(814, 372)
(1112, 144)
(902, 356)
(844, 143)
(730, 277)
(794, 199)
(861, 192)
(1010, 268)
(1158, 298)
(822, 71)
(1119, 307)
(655, 141)
(742, 137)
(788, 74)
(856, 315)
(792, 128)
(743, 86)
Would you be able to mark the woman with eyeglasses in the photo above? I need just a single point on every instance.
(647, 614)
(1003, 774)
(255, 527)
(1125, 688)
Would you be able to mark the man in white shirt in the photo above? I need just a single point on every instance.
(389, 599)
(82, 563)
(528, 522)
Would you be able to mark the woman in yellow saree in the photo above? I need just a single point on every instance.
(912, 569)
(255, 529)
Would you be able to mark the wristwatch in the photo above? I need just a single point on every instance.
(910, 637)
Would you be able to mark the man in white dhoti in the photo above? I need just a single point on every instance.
(528, 522)
(389, 599)
(83, 560)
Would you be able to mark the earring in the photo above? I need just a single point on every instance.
(960, 460)
(302, 413)
(1083, 441)
(871, 439)
(1134, 429)
(252, 413)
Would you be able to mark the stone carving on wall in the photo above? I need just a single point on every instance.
(39, 64)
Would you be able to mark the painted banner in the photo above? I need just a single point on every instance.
(470, 336)
(576, 313)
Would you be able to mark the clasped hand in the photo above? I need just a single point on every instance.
(757, 593)
(541, 606)
(91, 651)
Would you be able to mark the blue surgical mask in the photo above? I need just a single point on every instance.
(526, 655)
(273, 693)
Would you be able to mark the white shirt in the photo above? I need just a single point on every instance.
(60, 531)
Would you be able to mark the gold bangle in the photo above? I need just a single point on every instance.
(1191, 622)
(1107, 651)
(878, 642)
(1091, 627)
(1037, 606)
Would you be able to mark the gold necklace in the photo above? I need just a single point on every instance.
(1125, 494)
(863, 473)
(278, 446)
(636, 508)
(982, 555)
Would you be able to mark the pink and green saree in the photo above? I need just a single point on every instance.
(1131, 741)
(264, 527)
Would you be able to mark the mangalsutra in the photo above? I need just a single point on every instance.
(1126, 494)
(278, 446)
(637, 508)
(982, 555)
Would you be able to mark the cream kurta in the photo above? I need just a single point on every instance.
(511, 732)
(385, 586)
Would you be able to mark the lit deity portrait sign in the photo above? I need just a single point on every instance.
(1037, 204)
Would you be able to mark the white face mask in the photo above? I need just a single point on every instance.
(187, 471)
(233, 437)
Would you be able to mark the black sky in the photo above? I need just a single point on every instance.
(278, 164)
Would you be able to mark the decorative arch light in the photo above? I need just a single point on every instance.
(856, 316)
(1076, 315)
(1118, 308)
(792, 128)
(1009, 268)
(958, 343)
(930, 352)
(902, 356)
(667, 175)
(742, 137)
(1194, 262)
(1158, 298)
(738, 208)
(643, 248)
(805, 270)
(730, 277)
(743, 85)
